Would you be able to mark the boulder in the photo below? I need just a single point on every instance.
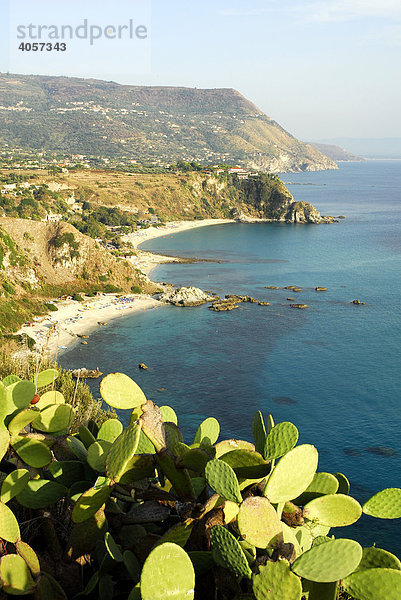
(186, 296)
(299, 306)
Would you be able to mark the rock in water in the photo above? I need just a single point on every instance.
(186, 296)
(303, 212)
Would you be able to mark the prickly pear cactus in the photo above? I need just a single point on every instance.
(292, 474)
(228, 553)
(280, 440)
(321, 484)
(223, 480)
(110, 430)
(259, 432)
(168, 573)
(9, 528)
(276, 582)
(13, 484)
(15, 576)
(258, 522)
(119, 391)
(374, 558)
(45, 378)
(385, 504)
(373, 584)
(333, 510)
(330, 561)
(207, 432)
(122, 452)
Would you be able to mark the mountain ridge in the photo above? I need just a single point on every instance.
(156, 124)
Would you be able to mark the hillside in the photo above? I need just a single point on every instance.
(336, 153)
(146, 124)
(39, 261)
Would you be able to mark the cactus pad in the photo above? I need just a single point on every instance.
(228, 553)
(280, 440)
(33, 452)
(223, 480)
(120, 391)
(21, 393)
(321, 484)
(258, 522)
(168, 573)
(86, 436)
(374, 558)
(51, 397)
(112, 548)
(77, 447)
(276, 582)
(168, 415)
(247, 464)
(67, 472)
(97, 455)
(13, 484)
(207, 432)
(40, 493)
(373, 584)
(385, 504)
(292, 474)
(328, 562)
(343, 483)
(55, 417)
(259, 432)
(122, 451)
(228, 445)
(333, 510)
(29, 556)
(9, 528)
(46, 377)
(89, 503)
(110, 430)
(22, 419)
(15, 577)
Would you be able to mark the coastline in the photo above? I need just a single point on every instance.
(59, 331)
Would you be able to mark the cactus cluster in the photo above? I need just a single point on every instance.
(137, 513)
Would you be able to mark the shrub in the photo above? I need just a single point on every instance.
(112, 289)
(77, 297)
(50, 306)
(133, 505)
(136, 289)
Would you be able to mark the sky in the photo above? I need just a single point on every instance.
(321, 68)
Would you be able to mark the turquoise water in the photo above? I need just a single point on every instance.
(333, 370)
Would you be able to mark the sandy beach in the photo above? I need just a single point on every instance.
(61, 329)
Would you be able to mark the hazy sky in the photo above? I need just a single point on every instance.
(321, 68)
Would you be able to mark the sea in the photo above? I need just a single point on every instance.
(333, 369)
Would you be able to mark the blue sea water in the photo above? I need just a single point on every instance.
(334, 370)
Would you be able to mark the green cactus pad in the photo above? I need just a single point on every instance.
(89, 503)
(333, 510)
(195, 459)
(86, 436)
(321, 591)
(173, 435)
(207, 432)
(276, 582)
(289, 537)
(15, 576)
(168, 573)
(178, 534)
(9, 528)
(321, 484)
(6, 405)
(77, 447)
(112, 548)
(21, 393)
(110, 430)
(33, 452)
(385, 504)
(230, 511)
(67, 472)
(10, 379)
(304, 537)
(4, 442)
(13, 484)
(280, 440)
(40, 493)
(97, 455)
(145, 446)
(374, 584)
(247, 464)
(168, 414)
(228, 553)
(22, 419)
(375, 558)
(329, 562)
(120, 391)
(122, 452)
(55, 417)
(228, 445)
(292, 474)
(223, 480)
(29, 556)
(259, 432)
(51, 397)
(47, 377)
(258, 522)
(343, 483)
(140, 466)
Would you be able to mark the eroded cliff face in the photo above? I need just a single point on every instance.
(303, 212)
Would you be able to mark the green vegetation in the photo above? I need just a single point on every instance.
(107, 512)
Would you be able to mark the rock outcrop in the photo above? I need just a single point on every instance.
(186, 296)
(303, 212)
